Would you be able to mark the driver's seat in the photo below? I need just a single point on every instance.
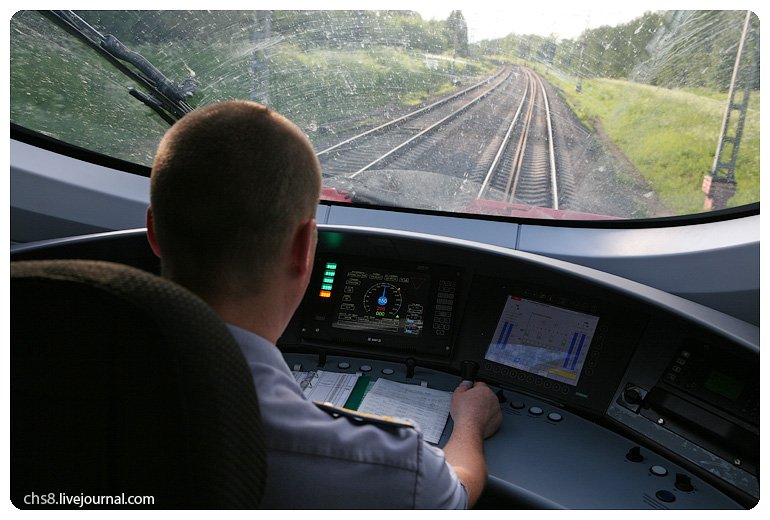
(124, 384)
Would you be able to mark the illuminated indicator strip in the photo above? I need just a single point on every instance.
(571, 348)
(328, 280)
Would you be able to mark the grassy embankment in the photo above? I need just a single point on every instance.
(670, 136)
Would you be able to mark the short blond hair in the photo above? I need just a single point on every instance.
(229, 184)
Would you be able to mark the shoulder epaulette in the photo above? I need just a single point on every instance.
(338, 411)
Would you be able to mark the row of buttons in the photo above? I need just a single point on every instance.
(525, 377)
(683, 482)
(344, 365)
(536, 411)
(677, 367)
(442, 318)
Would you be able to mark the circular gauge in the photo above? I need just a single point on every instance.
(382, 300)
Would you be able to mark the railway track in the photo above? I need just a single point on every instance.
(524, 169)
(381, 144)
(496, 136)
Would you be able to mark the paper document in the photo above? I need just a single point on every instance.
(326, 387)
(427, 407)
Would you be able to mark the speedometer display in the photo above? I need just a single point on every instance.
(383, 300)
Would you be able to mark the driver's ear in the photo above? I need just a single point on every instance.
(151, 238)
(303, 248)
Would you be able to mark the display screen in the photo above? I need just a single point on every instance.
(542, 339)
(388, 301)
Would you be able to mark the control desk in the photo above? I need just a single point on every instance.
(614, 395)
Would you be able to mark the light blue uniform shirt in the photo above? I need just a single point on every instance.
(316, 461)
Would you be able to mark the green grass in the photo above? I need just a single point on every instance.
(669, 135)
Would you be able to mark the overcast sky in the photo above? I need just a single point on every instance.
(489, 19)
(565, 19)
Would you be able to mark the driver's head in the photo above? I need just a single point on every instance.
(229, 185)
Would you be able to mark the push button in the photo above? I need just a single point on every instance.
(342, 365)
(635, 454)
(536, 410)
(683, 482)
(665, 495)
(658, 471)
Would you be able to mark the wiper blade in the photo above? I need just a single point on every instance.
(165, 97)
(162, 83)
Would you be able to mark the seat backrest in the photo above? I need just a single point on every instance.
(126, 384)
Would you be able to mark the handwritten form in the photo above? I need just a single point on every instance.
(326, 387)
(427, 407)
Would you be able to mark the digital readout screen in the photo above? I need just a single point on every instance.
(373, 299)
(542, 339)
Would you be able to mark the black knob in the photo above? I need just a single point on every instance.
(632, 396)
(635, 454)
(468, 370)
(683, 482)
(501, 396)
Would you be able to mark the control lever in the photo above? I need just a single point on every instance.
(410, 364)
(469, 370)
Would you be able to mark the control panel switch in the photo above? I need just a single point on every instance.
(683, 482)
(635, 454)
(632, 396)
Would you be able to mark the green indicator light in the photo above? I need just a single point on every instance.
(330, 273)
(326, 287)
(331, 265)
(328, 280)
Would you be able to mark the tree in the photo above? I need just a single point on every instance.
(457, 33)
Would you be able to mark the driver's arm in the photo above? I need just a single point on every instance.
(476, 414)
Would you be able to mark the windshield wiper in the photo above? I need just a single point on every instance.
(165, 97)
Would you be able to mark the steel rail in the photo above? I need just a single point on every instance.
(552, 155)
(512, 185)
(503, 146)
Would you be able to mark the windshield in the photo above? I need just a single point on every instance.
(558, 115)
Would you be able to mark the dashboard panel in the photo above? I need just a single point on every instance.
(614, 394)
(564, 341)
